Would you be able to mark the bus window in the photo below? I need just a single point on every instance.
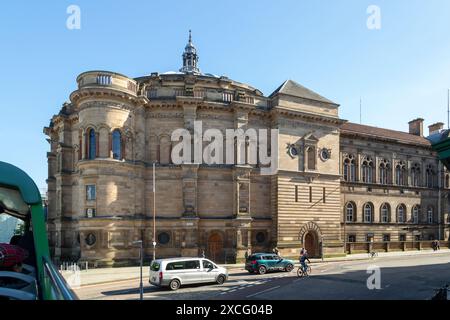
(11, 229)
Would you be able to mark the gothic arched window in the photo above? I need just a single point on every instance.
(91, 139)
(368, 213)
(401, 212)
(367, 170)
(415, 175)
(429, 176)
(400, 174)
(350, 212)
(430, 215)
(117, 145)
(385, 172)
(415, 214)
(349, 168)
(385, 213)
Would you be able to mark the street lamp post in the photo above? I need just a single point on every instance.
(154, 211)
(141, 254)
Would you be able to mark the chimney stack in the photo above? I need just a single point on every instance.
(416, 127)
(436, 128)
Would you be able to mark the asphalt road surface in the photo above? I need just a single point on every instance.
(407, 277)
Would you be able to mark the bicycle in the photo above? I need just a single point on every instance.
(303, 273)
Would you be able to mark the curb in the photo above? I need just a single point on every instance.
(242, 266)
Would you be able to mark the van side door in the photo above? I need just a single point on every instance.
(193, 271)
(210, 271)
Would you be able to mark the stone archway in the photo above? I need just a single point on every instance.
(310, 238)
(214, 249)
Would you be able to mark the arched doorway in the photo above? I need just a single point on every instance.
(312, 244)
(215, 248)
(310, 238)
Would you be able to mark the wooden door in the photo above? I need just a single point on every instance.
(215, 248)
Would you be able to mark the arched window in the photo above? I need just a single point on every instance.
(367, 170)
(429, 176)
(385, 172)
(368, 213)
(400, 174)
(385, 213)
(350, 212)
(311, 154)
(430, 216)
(117, 145)
(415, 175)
(415, 214)
(91, 144)
(349, 168)
(447, 181)
(401, 212)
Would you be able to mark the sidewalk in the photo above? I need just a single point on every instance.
(106, 275)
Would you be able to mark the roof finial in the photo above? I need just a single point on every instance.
(190, 36)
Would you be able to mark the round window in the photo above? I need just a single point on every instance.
(293, 151)
(163, 238)
(91, 239)
(325, 154)
(260, 237)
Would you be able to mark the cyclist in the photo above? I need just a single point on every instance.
(303, 259)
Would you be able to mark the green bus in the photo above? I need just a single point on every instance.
(22, 217)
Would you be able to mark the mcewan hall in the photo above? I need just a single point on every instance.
(340, 187)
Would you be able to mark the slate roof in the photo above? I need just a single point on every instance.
(375, 132)
(292, 88)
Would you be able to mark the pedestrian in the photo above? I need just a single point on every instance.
(12, 257)
(203, 254)
(275, 250)
(246, 255)
(438, 245)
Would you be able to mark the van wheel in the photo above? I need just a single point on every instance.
(220, 279)
(174, 285)
(262, 270)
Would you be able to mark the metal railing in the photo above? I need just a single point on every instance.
(59, 287)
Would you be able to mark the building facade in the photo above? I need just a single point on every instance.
(337, 183)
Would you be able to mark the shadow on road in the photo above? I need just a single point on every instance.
(150, 289)
(396, 283)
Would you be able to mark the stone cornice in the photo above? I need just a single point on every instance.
(367, 137)
(80, 95)
(277, 111)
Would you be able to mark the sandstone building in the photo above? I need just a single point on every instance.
(340, 186)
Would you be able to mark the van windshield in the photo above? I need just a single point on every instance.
(155, 266)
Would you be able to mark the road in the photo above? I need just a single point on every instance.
(407, 277)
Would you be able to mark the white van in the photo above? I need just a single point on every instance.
(176, 272)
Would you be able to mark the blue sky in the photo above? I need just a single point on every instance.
(401, 71)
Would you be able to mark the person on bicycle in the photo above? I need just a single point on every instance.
(303, 259)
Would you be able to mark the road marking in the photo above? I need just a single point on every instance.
(270, 289)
